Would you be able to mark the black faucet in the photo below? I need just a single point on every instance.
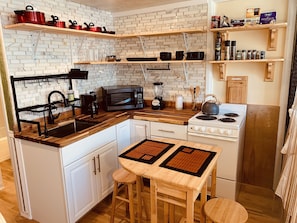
(51, 117)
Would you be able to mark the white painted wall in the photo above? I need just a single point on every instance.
(259, 92)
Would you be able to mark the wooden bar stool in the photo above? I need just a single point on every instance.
(122, 180)
(221, 210)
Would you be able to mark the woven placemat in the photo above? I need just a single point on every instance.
(147, 151)
(189, 160)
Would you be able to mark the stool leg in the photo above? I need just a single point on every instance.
(131, 203)
(115, 192)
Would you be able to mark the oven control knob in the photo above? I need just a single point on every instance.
(228, 132)
(221, 131)
(196, 128)
(211, 130)
(202, 129)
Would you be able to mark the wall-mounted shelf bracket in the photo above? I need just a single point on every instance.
(142, 44)
(273, 34)
(35, 44)
(186, 72)
(143, 71)
(269, 75)
(222, 71)
(185, 36)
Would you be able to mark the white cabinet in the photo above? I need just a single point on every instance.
(123, 135)
(166, 130)
(65, 183)
(89, 180)
(140, 130)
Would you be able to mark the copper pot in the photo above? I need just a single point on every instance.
(30, 16)
(56, 22)
(74, 25)
(92, 27)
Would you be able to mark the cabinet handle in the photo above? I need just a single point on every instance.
(99, 169)
(94, 162)
(163, 130)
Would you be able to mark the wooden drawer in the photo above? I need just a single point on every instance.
(169, 130)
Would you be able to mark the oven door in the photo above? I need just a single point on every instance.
(228, 162)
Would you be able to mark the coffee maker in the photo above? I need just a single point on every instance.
(158, 102)
(89, 105)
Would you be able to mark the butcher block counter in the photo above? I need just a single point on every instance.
(102, 121)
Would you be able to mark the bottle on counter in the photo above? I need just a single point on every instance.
(218, 45)
(70, 96)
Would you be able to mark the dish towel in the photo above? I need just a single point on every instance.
(287, 186)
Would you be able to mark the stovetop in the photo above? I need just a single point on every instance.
(215, 120)
(216, 126)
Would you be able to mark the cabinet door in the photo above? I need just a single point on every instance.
(140, 130)
(237, 89)
(107, 164)
(81, 188)
(123, 135)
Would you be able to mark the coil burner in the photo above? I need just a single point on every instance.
(206, 117)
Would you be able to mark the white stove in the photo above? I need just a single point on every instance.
(226, 124)
(227, 135)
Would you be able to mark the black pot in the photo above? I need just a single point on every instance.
(195, 55)
(165, 55)
(210, 107)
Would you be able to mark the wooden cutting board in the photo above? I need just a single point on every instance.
(236, 91)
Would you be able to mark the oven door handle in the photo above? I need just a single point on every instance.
(213, 137)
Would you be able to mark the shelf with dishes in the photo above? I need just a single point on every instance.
(139, 62)
(272, 28)
(58, 30)
(270, 63)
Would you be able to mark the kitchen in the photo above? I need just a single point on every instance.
(57, 53)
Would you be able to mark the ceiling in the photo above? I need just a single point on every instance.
(116, 6)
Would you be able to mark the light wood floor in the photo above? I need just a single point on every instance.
(261, 203)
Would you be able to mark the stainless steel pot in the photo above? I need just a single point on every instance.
(210, 107)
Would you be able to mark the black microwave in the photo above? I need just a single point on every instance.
(122, 97)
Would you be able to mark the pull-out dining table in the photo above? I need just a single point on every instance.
(181, 164)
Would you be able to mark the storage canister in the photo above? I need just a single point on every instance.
(233, 50)
(227, 50)
(179, 102)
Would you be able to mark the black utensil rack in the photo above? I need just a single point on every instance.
(73, 74)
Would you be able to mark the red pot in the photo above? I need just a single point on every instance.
(30, 16)
(56, 22)
(74, 25)
(92, 27)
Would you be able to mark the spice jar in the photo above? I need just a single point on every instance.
(238, 55)
(243, 54)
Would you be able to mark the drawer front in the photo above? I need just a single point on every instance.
(169, 130)
(87, 145)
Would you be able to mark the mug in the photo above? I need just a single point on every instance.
(179, 55)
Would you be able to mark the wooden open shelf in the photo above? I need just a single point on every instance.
(142, 62)
(272, 28)
(56, 30)
(269, 74)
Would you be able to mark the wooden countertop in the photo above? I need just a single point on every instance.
(105, 120)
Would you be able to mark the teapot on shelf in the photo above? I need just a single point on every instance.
(211, 106)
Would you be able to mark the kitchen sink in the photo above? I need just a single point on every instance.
(69, 128)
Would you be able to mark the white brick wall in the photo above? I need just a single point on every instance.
(55, 54)
(174, 80)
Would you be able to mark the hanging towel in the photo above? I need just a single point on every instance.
(287, 186)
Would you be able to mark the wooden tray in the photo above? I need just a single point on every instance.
(189, 160)
(147, 151)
